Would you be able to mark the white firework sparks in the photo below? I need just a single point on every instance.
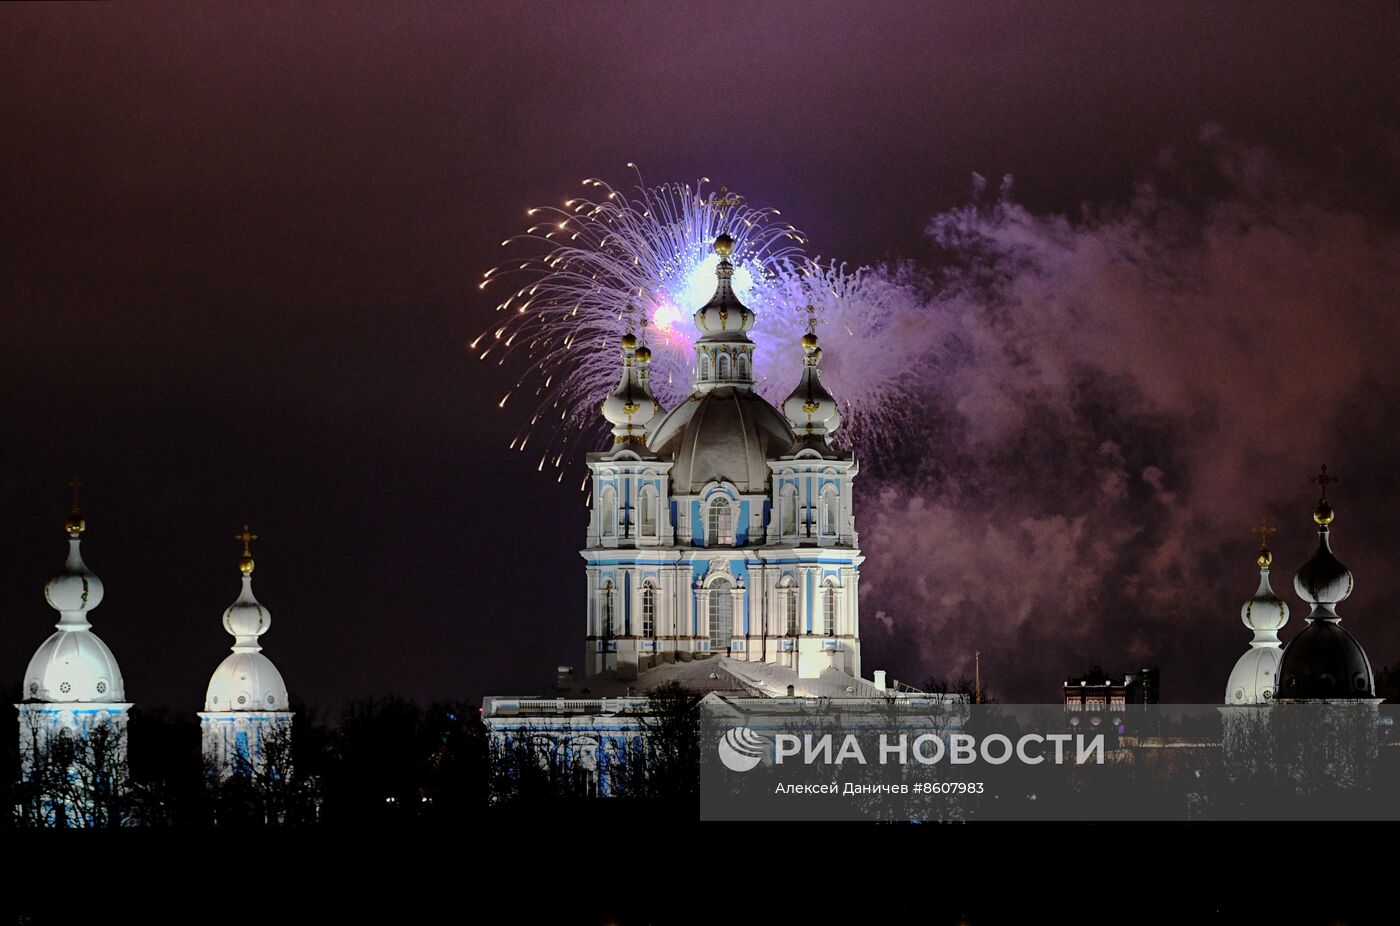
(609, 262)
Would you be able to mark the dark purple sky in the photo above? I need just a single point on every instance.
(238, 249)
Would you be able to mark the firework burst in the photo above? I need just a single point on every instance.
(610, 261)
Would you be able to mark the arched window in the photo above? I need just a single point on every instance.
(646, 502)
(724, 368)
(648, 610)
(787, 603)
(787, 514)
(721, 525)
(830, 510)
(829, 610)
(743, 366)
(704, 368)
(721, 614)
(608, 511)
(608, 618)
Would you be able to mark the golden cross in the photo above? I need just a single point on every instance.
(725, 200)
(1264, 530)
(247, 536)
(811, 319)
(75, 485)
(1323, 480)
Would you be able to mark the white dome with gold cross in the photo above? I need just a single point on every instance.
(246, 680)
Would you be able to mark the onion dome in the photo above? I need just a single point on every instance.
(1323, 581)
(811, 410)
(1255, 675)
(724, 317)
(1324, 661)
(631, 406)
(246, 680)
(73, 664)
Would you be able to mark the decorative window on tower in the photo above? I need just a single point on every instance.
(607, 511)
(830, 509)
(787, 598)
(724, 367)
(704, 368)
(721, 614)
(646, 501)
(787, 515)
(829, 610)
(743, 366)
(721, 522)
(608, 617)
(648, 611)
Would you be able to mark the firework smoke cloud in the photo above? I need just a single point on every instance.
(1040, 474)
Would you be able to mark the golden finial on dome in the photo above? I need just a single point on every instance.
(1323, 513)
(724, 246)
(74, 523)
(245, 562)
(809, 340)
(1266, 556)
(643, 352)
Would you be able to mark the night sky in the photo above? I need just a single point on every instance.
(239, 249)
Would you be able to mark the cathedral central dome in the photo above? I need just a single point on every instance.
(727, 434)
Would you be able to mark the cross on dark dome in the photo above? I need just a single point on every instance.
(1323, 479)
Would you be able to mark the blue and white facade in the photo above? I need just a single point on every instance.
(722, 527)
(246, 717)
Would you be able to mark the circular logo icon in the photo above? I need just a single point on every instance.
(741, 749)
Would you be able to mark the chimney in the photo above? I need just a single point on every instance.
(880, 679)
(565, 682)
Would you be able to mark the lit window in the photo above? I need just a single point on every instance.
(609, 625)
(648, 611)
(829, 611)
(721, 522)
(721, 614)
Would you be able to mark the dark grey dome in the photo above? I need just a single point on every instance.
(725, 434)
(1323, 579)
(1324, 661)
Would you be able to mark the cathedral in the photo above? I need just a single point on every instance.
(723, 526)
(721, 552)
